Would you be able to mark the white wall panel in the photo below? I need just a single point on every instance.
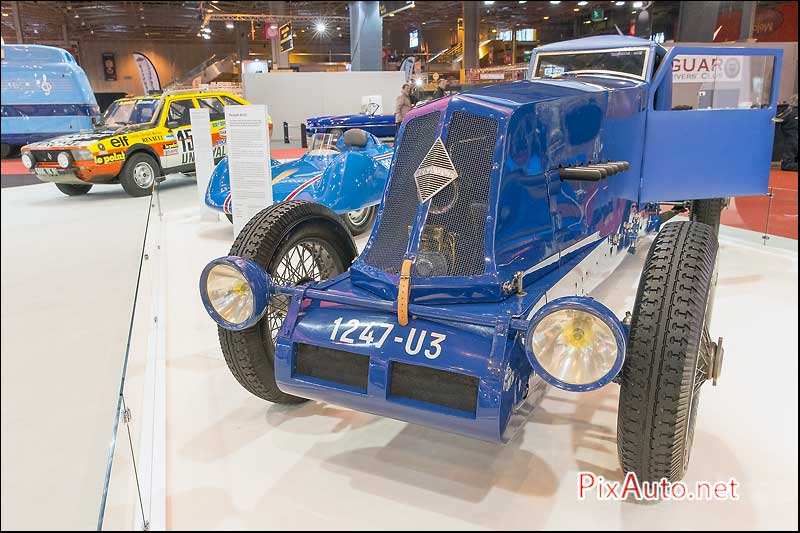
(296, 96)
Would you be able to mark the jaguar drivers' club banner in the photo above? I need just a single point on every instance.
(147, 72)
(706, 68)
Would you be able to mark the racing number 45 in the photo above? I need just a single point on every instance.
(427, 342)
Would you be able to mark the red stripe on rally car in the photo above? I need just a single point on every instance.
(384, 156)
(303, 186)
(226, 205)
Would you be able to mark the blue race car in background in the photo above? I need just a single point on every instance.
(346, 174)
(377, 125)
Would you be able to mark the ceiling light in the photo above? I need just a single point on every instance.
(546, 18)
(229, 25)
(5, 14)
(338, 28)
(494, 31)
(523, 1)
(206, 36)
(583, 3)
(210, 10)
(619, 3)
(554, 2)
(577, 9)
(587, 21)
(340, 35)
(488, 3)
(77, 16)
(637, 5)
(207, 30)
(320, 27)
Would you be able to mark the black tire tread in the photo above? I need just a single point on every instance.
(245, 352)
(708, 212)
(74, 189)
(664, 341)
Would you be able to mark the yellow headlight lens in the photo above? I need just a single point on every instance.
(574, 346)
(230, 294)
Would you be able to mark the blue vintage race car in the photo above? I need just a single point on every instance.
(344, 173)
(378, 125)
(505, 207)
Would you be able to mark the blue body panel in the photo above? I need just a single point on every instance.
(351, 179)
(44, 94)
(378, 125)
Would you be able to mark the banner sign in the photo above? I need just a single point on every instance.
(150, 81)
(702, 68)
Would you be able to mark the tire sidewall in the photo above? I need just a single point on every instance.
(126, 175)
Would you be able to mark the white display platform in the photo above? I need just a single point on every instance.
(235, 462)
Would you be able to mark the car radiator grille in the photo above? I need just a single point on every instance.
(402, 201)
(452, 239)
(45, 156)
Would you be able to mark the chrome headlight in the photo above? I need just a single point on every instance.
(235, 292)
(576, 344)
(27, 160)
(64, 159)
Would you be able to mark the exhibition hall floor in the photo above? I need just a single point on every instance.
(233, 461)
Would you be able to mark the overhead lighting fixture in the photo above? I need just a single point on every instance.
(587, 21)
(229, 25)
(577, 9)
(637, 5)
(206, 30)
(523, 1)
(320, 27)
(77, 16)
(546, 18)
(210, 10)
(583, 3)
(206, 36)
(554, 2)
(488, 3)
(338, 28)
(619, 3)
(5, 14)
(494, 31)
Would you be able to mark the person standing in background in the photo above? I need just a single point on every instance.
(441, 85)
(402, 105)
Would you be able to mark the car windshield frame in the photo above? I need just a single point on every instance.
(134, 103)
(639, 76)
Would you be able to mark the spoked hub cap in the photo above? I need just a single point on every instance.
(143, 175)
(359, 216)
(307, 261)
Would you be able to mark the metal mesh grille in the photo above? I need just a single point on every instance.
(402, 202)
(452, 240)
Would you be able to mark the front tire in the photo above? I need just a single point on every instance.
(139, 174)
(708, 212)
(295, 242)
(668, 354)
(74, 189)
(360, 220)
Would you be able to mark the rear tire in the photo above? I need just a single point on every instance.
(360, 220)
(270, 238)
(668, 357)
(73, 189)
(708, 212)
(139, 174)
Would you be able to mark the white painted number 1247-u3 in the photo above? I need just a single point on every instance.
(376, 333)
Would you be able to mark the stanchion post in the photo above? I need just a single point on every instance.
(303, 135)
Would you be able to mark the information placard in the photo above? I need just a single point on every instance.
(203, 152)
(248, 161)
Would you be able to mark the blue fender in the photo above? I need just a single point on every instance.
(352, 181)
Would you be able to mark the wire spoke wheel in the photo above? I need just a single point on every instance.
(306, 261)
